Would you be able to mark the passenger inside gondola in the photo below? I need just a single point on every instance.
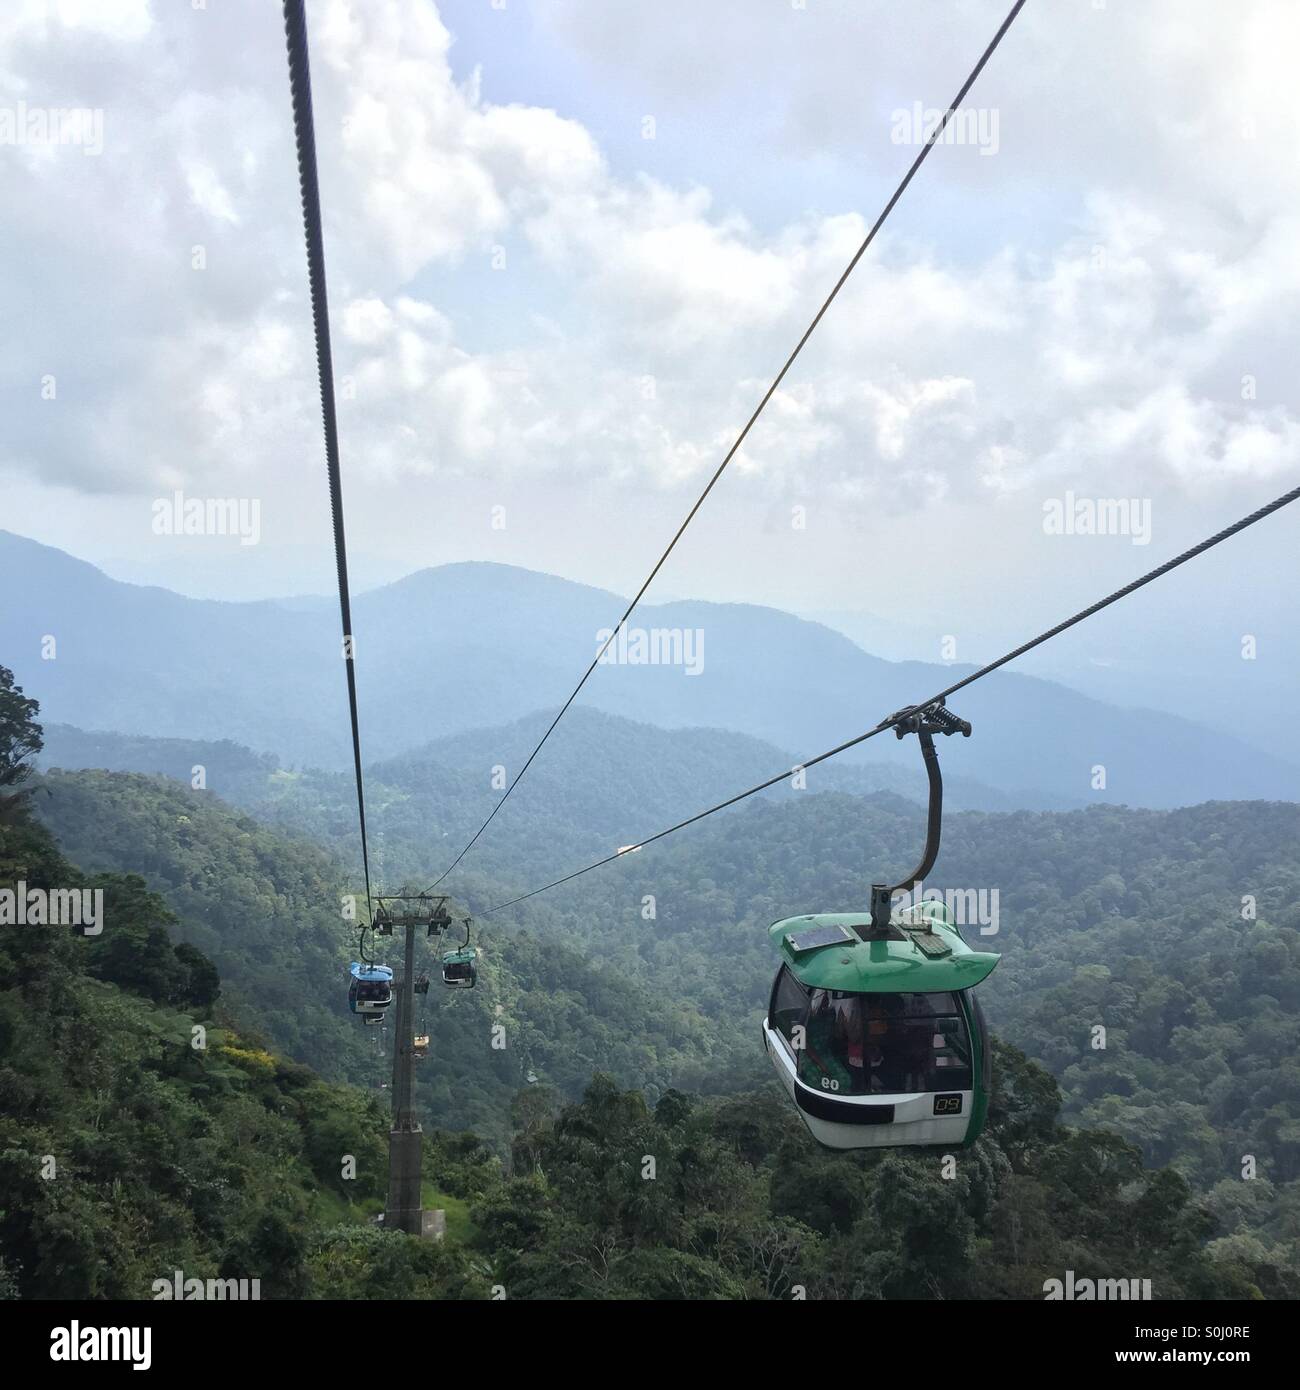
(884, 1044)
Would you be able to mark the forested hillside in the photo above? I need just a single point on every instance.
(1127, 921)
(741, 1205)
(1174, 932)
(130, 1156)
(600, 769)
(267, 909)
(144, 1131)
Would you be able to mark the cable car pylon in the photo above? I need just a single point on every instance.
(411, 912)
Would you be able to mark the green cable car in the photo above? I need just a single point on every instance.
(460, 967)
(872, 1025)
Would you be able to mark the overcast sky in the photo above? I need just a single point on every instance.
(570, 241)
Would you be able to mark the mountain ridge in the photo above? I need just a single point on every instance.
(478, 645)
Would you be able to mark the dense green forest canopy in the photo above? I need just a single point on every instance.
(1132, 921)
(225, 1161)
(1175, 932)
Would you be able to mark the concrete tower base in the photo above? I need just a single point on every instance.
(404, 1212)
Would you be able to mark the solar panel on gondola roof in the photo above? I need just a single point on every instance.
(813, 937)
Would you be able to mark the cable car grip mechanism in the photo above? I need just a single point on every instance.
(924, 721)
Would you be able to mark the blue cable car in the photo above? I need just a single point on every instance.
(371, 990)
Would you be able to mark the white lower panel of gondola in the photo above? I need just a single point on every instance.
(914, 1120)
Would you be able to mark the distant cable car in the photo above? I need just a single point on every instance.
(460, 967)
(420, 1045)
(871, 1025)
(371, 990)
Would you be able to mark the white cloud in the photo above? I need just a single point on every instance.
(209, 194)
(1115, 353)
(121, 21)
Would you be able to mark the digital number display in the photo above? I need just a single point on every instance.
(947, 1105)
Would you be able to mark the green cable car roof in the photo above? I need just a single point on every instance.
(929, 956)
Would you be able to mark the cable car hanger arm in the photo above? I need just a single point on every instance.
(924, 721)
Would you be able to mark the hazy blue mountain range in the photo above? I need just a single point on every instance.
(474, 646)
(615, 770)
(610, 782)
(1157, 655)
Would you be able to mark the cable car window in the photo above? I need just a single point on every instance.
(950, 1067)
(869, 1044)
(986, 1052)
(924, 1005)
(833, 1052)
(789, 1003)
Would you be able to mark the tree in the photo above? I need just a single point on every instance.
(532, 1114)
(20, 741)
(204, 984)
